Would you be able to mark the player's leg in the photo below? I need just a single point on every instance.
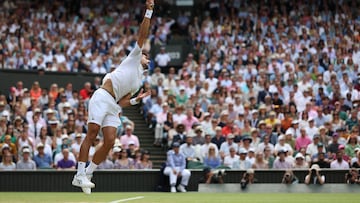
(100, 155)
(109, 133)
(80, 178)
(97, 111)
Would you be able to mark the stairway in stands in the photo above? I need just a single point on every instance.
(145, 135)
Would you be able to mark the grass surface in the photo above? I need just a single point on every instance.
(30, 197)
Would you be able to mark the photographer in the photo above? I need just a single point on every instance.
(289, 178)
(314, 176)
(248, 178)
(213, 176)
(352, 177)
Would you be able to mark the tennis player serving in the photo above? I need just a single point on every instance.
(104, 105)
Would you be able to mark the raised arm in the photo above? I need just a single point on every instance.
(145, 25)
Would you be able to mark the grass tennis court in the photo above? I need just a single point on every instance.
(138, 197)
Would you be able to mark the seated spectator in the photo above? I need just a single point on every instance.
(225, 146)
(175, 167)
(281, 162)
(180, 135)
(125, 139)
(314, 176)
(242, 163)
(251, 155)
(7, 146)
(188, 150)
(124, 162)
(212, 161)
(356, 160)
(179, 115)
(60, 156)
(65, 162)
(341, 149)
(303, 140)
(269, 157)
(10, 131)
(266, 144)
(189, 121)
(300, 162)
(108, 163)
(321, 160)
(281, 144)
(351, 145)
(231, 158)
(204, 149)
(218, 139)
(198, 139)
(75, 147)
(42, 160)
(7, 164)
(339, 162)
(260, 162)
(144, 162)
(313, 147)
(132, 151)
(43, 137)
(320, 149)
(26, 163)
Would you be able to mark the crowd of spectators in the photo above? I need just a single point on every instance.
(43, 129)
(268, 84)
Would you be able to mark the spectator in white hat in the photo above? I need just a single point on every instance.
(125, 139)
(242, 163)
(26, 163)
(282, 144)
(300, 162)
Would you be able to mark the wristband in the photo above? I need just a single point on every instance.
(133, 101)
(148, 13)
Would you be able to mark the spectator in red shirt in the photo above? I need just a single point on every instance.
(86, 92)
(228, 128)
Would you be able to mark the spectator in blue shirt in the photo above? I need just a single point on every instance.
(175, 167)
(42, 160)
(211, 160)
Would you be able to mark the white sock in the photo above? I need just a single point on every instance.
(81, 168)
(90, 169)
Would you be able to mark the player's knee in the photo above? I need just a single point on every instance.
(109, 144)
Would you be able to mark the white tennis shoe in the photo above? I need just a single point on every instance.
(87, 190)
(82, 181)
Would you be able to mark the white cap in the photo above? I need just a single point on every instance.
(26, 150)
(64, 136)
(67, 104)
(299, 155)
(116, 149)
(5, 146)
(39, 145)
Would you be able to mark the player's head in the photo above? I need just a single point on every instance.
(145, 60)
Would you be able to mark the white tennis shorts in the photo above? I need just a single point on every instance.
(103, 110)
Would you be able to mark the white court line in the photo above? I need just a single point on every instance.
(128, 199)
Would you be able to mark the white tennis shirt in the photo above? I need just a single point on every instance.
(127, 77)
